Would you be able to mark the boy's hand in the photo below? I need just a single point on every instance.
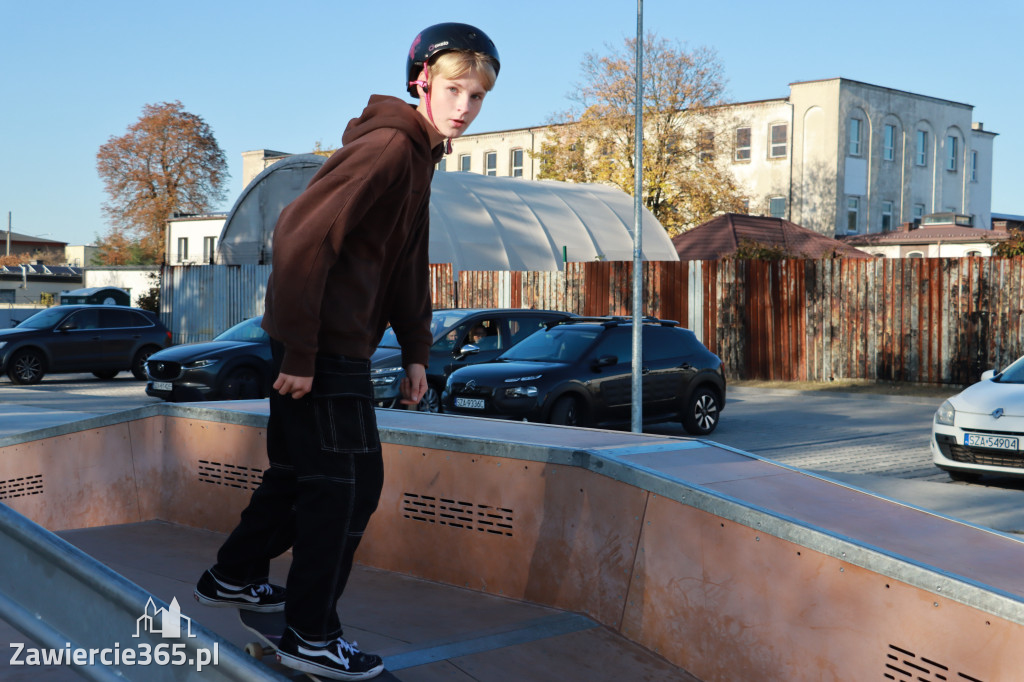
(414, 384)
(295, 386)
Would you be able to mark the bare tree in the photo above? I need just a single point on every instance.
(684, 180)
(167, 162)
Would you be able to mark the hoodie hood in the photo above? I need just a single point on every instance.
(383, 111)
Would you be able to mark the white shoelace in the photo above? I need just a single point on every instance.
(264, 590)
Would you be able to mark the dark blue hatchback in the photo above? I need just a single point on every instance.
(579, 373)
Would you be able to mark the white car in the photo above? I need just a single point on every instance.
(981, 429)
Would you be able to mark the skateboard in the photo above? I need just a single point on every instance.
(268, 628)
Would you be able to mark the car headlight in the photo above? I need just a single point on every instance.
(199, 364)
(385, 376)
(946, 414)
(521, 392)
(2, 344)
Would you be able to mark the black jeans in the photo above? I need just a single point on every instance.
(324, 482)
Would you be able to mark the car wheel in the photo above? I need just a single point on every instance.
(243, 383)
(431, 401)
(106, 374)
(139, 361)
(26, 368)
(701, 412)
(567, 411)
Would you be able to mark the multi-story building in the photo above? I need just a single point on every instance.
(836, 156)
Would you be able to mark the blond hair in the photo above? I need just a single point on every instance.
(457, 63)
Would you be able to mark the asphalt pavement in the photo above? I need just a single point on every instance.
(876, 443)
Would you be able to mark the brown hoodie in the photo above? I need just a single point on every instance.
(350, 253)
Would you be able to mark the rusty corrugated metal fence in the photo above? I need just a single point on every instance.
(911, 320)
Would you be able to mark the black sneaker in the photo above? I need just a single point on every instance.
(214, 592)
(336, 660)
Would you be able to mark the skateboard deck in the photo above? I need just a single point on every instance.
(268, 628)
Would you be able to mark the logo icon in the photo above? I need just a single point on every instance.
(997, 413)
(170, 621)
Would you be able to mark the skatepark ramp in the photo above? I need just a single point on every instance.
(77, 612)
(729, 566)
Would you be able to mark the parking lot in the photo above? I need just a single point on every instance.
(877, 443)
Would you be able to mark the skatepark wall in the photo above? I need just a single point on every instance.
(730, 566)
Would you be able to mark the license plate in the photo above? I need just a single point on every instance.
(162, 386)
(982, 440)
(470, 403)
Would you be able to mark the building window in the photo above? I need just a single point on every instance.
(974, 166)
(209, 249)
(7, 295)
(182, 249)
(442, 165)
(777, 207)
(464, 165)
(743, 144)
(852, 213)
(918, 212)
(951, 152)
(778, 135)
(915, 254)
(889, 150)
(855, 136)
(887, 216)
(517, 163)
(491, 163)
(706, 146)
(921, 159)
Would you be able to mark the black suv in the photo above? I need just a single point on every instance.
(235, 365)
(579, 372)
(102, 339)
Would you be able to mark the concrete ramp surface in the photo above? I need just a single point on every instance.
(507, 551)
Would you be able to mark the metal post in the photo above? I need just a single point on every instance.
(638, 185)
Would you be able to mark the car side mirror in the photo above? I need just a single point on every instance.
(67, 326)
(604, 361)
(988, 374)
(468, 349)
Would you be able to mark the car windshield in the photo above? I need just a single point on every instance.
(563, 343)
(441, 322)
(249, 330)
(1014, 374)
(44, 319)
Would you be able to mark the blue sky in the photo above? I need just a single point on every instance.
(284, 76)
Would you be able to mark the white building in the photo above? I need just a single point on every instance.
(836, 156)
(192, 239)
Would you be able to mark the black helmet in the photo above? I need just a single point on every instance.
(441, 38)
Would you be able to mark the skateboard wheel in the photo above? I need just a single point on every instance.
(254, 649)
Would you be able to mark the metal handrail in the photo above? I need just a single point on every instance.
(74, 609)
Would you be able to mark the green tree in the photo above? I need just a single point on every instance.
(167, 162)
(684, 179)
(1014, 246)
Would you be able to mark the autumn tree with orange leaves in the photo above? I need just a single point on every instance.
(168, 162)
(686, 179)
